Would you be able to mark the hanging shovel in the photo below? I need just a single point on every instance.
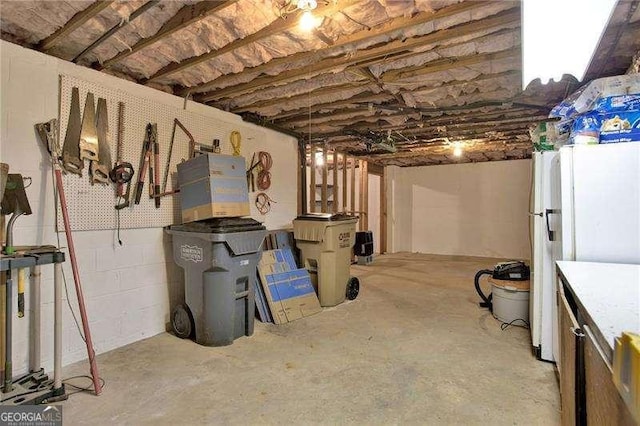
(71, 161)
(100, 169)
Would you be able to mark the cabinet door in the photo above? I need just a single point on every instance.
(568, 327)
(604, 403)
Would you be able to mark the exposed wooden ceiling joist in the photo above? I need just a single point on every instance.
(357, 101)
(453, 83)
(136, 13)
(73, 24)
(385, 29)
(186, 16)
(321, 91)
(420, 123)
(449, 63)
(366, 57)
(277, 26)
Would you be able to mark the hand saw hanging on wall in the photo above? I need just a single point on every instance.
(89, 134)
(71, 161)
(100, 169)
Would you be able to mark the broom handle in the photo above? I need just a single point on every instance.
(76, 278)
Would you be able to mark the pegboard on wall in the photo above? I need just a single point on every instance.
(91, 207)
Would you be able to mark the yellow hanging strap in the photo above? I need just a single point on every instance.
(236, 141)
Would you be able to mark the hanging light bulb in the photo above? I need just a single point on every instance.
(457, 149)
(308, 22)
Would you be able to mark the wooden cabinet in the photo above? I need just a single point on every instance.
(604, 403)
(570, 337)
(586, 330)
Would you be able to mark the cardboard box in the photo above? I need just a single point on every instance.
(288, 290)
(213, 186)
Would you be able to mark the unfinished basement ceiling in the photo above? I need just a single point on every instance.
(423, 73)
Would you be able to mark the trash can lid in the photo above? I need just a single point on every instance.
(325, 217)
(220, 225)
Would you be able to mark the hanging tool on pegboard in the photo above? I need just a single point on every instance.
(263, 203)
(71, 162)
(48, 133)
(236, 142)
(122, 172)
(99, 170)
(264, 174)
(151, 134)
(89, 133)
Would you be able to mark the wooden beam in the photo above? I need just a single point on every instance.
(353, 184)
(367, 57)
(365, 97)
(364, 196)
(449, 63)
(389, 28)
(320, 91)
(186, 16)
(344, 182)
(299, 180)
(347, 117)
(426, 124)
(375, 80)
(383, 212)
(276, 27)
(73, 24)
(323, 190)
(334, 195)
(407, 110)
(312, 181)
(135, 14)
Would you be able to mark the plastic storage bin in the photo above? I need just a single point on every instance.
(325, 242)
(219, 258)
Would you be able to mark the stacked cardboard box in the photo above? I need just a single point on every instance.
(286, 289)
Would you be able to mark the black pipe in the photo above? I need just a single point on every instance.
(486, 300)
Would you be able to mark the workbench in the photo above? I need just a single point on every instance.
(34, 387)
(596, 303)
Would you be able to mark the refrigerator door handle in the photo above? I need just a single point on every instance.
(550, 233)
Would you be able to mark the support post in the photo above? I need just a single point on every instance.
(334, 196)
(34, 336)
(344, 182)
(323, 190)
(312, 181)
(353, 184)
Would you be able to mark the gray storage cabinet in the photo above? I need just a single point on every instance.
(219, 269)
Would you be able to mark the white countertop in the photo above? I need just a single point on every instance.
(609, 293)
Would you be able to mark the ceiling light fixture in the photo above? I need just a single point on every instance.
(457, 148)
(308, 21)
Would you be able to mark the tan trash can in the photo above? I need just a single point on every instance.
(510, 300)
(325, 242)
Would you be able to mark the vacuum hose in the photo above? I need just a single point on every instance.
(486, 303)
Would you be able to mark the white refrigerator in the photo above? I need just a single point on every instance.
(586, 207)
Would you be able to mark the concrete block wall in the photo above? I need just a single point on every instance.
(128, 289)
(473, 209)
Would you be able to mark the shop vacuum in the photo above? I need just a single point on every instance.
(502, 272)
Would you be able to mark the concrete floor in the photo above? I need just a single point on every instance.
(414, 348)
